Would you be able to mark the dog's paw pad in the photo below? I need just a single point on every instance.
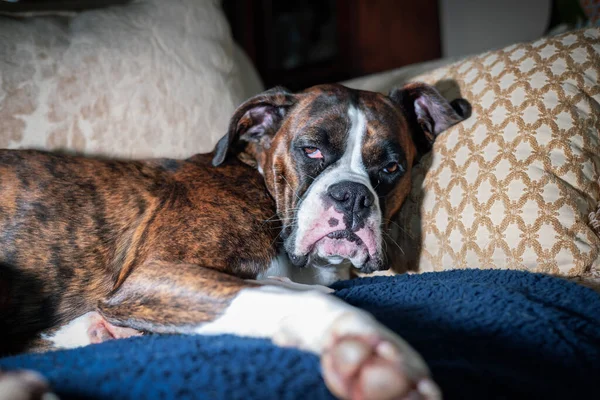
(100, 330)
(98, 333)
(372, 368)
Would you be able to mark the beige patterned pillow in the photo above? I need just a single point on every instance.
(516, 185)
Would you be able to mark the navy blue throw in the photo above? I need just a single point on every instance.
(484, 334)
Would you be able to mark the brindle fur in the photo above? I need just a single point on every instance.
(74, 229)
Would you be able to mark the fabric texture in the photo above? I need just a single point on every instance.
(146, 79)
(484, 334)
(515, 186)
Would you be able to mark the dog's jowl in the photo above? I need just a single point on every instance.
(303, 185)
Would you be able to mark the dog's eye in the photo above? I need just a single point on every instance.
(392, 168)
(312, 152)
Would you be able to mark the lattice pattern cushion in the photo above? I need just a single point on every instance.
(516, 185)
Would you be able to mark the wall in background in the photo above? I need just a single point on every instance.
(473, 26)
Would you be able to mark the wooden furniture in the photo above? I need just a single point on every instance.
(299, 43)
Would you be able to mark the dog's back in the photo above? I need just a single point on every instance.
(72, 228)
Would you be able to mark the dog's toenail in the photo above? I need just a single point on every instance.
(383, 382)
(350, 354)
(388, 351)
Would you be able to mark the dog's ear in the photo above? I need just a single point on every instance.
(428, 112)
(256, 120)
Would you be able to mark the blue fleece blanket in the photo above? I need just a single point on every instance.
(485, 335)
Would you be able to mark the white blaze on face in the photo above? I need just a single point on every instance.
(316, 219)
(352, 158)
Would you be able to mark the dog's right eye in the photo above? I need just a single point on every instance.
(312, 152)
(391, 168)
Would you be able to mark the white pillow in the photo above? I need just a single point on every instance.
(147, 79)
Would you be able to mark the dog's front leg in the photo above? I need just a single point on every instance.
(360, 357)
(288, 283)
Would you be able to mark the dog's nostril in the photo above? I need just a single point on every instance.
(339, 195)
(351, 196)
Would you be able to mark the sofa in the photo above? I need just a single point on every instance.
(503, 213)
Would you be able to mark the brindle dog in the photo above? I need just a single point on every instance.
(169, 246)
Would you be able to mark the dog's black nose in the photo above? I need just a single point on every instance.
(353, 199)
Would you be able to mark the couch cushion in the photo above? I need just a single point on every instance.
(146, 79)
(516, 185)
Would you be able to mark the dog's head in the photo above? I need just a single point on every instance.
(338, 162)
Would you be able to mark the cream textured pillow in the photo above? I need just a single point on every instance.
(516, 185)
(152, 78)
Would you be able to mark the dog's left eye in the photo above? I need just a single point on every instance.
(392, 168)
(312, 152)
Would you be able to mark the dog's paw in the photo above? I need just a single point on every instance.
(373, 364)
(86, 329)
(24, 385)
(100, 330)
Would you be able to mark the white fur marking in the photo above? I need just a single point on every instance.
(302, 318)
(74, 334)
(354, 145)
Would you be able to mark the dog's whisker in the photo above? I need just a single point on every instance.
(290, 186)
(393, 241)
(400, 227)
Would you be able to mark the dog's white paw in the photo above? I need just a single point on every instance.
(360, 358)
(100, 330)
(87, 329)
(364, 360)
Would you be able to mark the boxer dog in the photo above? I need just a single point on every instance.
(309, 181)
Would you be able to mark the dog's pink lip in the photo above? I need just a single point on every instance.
(328, 234)
(346, 234)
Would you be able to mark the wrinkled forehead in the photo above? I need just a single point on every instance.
(328, 111)
(337, 99)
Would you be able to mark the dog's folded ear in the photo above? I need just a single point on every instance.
(256, 120)
(428, 112)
